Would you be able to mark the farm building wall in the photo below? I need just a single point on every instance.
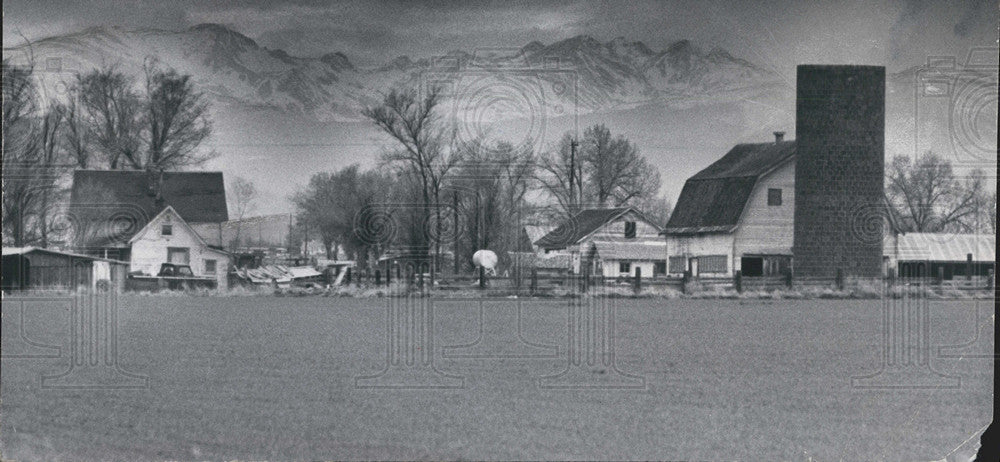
(701, 245)
(840, 131)
(766, 229)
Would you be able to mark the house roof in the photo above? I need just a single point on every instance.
(945, 247)
(126, 200)
(581, 225)
(713, 199)
(616, 250)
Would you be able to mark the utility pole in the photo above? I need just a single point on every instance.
(572, 174)
(454, 212)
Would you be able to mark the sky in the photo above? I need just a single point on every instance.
(897, 34)
(777, 34)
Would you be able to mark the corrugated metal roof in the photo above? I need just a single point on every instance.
(946, 247)
(645, 250)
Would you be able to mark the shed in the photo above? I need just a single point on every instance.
(925, 254)
(33, 268)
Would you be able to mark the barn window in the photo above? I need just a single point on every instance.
(678, 264)
(629, 229)
(774, 196)
(659, 268)
(167, 230)
(712, 264)
(209, 266)
(625, 267)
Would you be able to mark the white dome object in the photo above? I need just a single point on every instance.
(485, 258)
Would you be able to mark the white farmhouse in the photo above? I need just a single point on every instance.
(617, 242)
(167, 238)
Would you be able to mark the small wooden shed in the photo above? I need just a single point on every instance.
(33, 268)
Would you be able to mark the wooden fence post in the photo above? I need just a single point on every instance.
(378, 277)
(685, 279)
(738, 281)
(939, 278)
(840, 279)
(638, 280)
(534, 281)
(968, 267)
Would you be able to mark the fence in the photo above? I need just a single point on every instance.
(533, 283)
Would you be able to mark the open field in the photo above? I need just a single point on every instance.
(275, 378)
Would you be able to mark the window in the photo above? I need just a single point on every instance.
(659, 268)
(167, 230)
(774, 196)
(678, 264)
(629, 229)
(178, 255)
(625, 267)
(713, 264)
(209, 266)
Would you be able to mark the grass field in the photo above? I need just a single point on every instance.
(274, 378)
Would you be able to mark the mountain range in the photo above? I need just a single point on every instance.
(235, 70)
(682, 106)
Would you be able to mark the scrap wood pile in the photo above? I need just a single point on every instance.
(279, 274)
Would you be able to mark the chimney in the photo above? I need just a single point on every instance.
(779, 137)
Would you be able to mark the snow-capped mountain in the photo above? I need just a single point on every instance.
(235, 70)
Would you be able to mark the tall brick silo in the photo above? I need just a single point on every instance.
(839, 170)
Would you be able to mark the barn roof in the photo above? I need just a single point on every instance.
(943, 247)
(127, 200)
(713, 199)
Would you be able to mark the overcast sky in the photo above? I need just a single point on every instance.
(777, 33)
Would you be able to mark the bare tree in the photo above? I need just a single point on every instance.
(410, 119)
(176, 120)
(657, 209)
(929, 198)
(114, 115)
(616, 173)
(554, 171)
(77, 135)
(492, 183)
(30, 158)
(607, 170)
(243, 198)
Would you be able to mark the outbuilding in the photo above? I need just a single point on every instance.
(33, 268)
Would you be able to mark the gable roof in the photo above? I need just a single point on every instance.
(583, 224)
(169, 209)
(102, 197)
(713, 199)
